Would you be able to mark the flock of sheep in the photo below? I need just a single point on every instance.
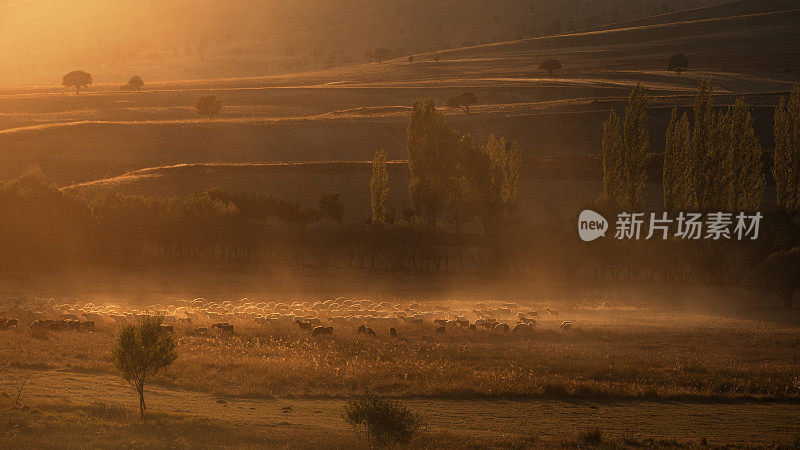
(202, 317)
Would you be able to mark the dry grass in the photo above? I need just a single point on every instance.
(625, 355)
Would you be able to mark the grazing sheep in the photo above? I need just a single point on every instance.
(392, 332)
(526, 320)
(566, 325)
(366, 330)
(501, 327)
(322, 330)
(223, 327)
(303, 325)
(523, 328)
(463, 322)
(441, 330)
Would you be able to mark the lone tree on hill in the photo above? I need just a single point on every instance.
(141, 351)
(550, 66)
(378, 55)
(463, 100)
(77, 79)
(135, 84)
(678, 63)
(209, 106)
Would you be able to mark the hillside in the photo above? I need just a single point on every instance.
(184, 39)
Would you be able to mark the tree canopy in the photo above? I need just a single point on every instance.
(77, 79)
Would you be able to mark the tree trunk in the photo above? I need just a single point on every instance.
(141, 403)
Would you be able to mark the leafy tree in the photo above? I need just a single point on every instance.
(77, 79)
(209, 106)
(331, 206)
(135, 84)
(678, 181)
(550, 66)
(379, 54)
(463, 101)
(379, 188)
(786, 166)
(636, 140)
(613, 190)
(779, 273)
(637, 144)
(678, 63)
(141, 351)
(432, 149)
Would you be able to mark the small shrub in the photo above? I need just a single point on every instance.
(591, 437)
(384, 421)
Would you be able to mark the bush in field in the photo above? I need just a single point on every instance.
(331, 206)
(77, 79)
(379, 54)
(463, 101)
(209, 106)
(135, 84)
(780, 274)
(678, 63)
(384, 421)
(550, 66)
(141, 351)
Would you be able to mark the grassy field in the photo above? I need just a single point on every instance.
(699, 372)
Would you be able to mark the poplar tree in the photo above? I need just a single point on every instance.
(746, 170)
(707, 160)
(636, 144)
(432, 158)
(786, 166)
(379, 188)
(613, 184)
(678, 181)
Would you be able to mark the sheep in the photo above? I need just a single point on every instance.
(441, 330)
(392, 332)
(552, 312)
(318, 331)
(303, 325)
(366, 330)
(527, 321)
(566, 325)
(501, 327)
(523, 328)
(223, 327)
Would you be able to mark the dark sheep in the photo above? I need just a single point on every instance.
(366, 330)
(318, 331)
(502, 327)
(303, 325)
(392, 332)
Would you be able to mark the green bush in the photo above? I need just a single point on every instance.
(384, 421)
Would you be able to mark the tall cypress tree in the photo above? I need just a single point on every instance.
(613, 182)
(677, 181)
(379, 188)
(786, 166)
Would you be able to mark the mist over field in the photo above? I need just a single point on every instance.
(400, 224)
